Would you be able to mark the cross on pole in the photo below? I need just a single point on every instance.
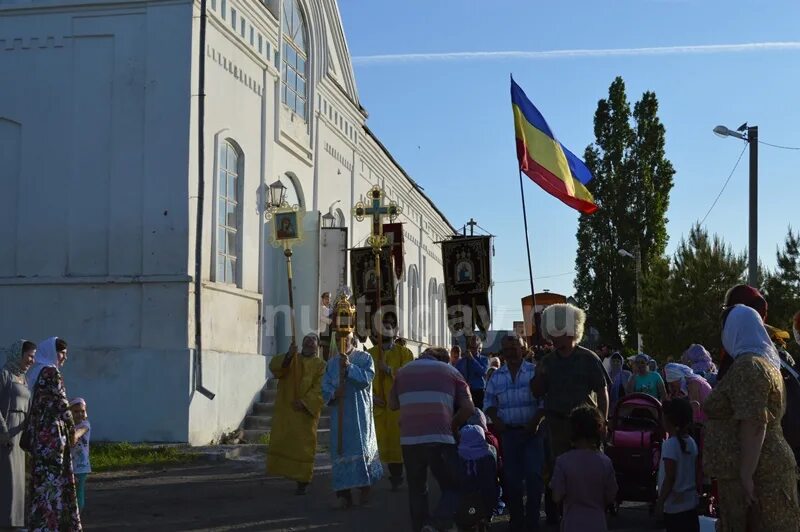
(376, 241)
(472, 223)
(377, 210)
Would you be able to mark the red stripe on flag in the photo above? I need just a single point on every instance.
(549, 182)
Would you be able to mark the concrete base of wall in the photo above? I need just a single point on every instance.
(148, 395)
(132, 394)
(237, 380)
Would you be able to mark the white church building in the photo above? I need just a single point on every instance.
(100, 159)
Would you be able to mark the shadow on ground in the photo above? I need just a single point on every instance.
(234, 495)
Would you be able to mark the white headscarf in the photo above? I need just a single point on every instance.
(46, 357)
(744, 333)
(676, 372)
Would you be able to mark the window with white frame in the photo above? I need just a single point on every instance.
(228, 213)
(413, 291)
(294, 90)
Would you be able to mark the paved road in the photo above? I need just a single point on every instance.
(236, 495)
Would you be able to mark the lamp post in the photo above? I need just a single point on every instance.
(637, 256)
(752, 247)
(328, 221)
(277, 194)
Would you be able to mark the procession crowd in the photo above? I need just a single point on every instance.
(499, 434)
(505, 434)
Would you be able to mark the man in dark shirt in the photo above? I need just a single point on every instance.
(568, 377)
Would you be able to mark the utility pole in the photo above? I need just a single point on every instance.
(752, 259)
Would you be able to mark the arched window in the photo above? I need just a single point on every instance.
(294, 90)
(401, 306)
(431, 312)
(229, 213)
(413, 296)
(442, 316)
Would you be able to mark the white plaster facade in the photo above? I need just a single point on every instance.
(98, 199)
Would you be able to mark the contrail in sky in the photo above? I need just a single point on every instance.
(577, 53)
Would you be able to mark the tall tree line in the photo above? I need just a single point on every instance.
(632, 181)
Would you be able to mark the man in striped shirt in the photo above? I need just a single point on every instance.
(516, 417)
(427, 391)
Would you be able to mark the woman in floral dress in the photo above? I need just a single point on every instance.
(745, 449)
(54, 503)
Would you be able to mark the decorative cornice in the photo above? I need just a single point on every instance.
(234, 70)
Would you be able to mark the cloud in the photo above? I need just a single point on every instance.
(578, 53)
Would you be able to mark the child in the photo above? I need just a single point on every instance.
(678, 479)
(80, 447)
(584, 478)
(477, 479)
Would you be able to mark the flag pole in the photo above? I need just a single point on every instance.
(536, 320)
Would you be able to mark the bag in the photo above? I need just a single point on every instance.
(26, 438)
(470, 510)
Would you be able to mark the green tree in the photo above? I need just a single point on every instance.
(683, 306)
(782, 286)
(631, 185)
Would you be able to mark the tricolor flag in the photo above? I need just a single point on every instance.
(545, 160)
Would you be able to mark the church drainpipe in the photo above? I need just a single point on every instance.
(201, 183)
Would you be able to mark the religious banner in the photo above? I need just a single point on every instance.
(394, 234)
(467, 281)
(365, 285)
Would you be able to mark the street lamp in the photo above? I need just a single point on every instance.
(752, 139)
(328, 221)
(638, 258)
(277, 194)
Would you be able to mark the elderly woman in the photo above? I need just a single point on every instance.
(699, 359)
(644, 380)
(14, 398)
(744, 444)
(48, 437)
(683, 382)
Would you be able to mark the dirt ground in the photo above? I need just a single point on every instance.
(237, 495)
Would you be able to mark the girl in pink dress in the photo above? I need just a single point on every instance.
(584, 478)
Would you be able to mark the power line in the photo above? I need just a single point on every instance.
(536, 278)
(779, 146)
(725, 185)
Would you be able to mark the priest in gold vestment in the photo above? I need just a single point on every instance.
(387, 421)
(293, 439)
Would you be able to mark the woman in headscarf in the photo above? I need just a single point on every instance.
(619, 380)
(683, 382)
(49, 436)
(644, 380)
(744, 445)
(699, 359)
(14, 399)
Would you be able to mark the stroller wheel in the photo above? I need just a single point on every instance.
(613, 508)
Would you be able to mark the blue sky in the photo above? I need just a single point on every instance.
(449, 123)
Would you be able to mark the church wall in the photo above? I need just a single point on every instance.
(239, 90)
(98, 135)
(94, 212)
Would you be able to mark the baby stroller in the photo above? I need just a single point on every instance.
(634, 448)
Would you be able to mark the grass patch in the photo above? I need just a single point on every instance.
(115, 456)
(263, 439)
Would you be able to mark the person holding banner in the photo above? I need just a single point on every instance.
(293, 440)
